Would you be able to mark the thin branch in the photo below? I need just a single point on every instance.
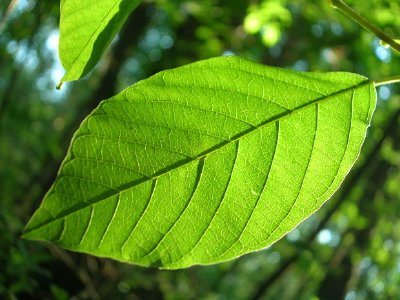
(81, 273)
(8, 92)
(6, 97)
(6, 15)
(352, 14)
(390, 80)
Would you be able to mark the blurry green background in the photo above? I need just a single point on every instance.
(350, 249)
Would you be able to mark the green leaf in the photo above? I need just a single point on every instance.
(86, 30)
(204, 163)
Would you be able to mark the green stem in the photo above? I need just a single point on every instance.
(390, 80)
(351, 13)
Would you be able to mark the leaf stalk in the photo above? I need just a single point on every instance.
(389, 80)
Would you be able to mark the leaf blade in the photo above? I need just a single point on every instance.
(253, 145)
(86, 30)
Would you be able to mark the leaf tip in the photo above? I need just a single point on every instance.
(58, 86)
(25, 234)
(332, 3)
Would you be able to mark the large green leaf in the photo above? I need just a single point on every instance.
(86, 29)
(206, 162)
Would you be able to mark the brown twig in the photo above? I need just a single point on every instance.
(7, 13)
(81, 272)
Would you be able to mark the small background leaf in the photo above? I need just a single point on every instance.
(204, 163)
(86, 30)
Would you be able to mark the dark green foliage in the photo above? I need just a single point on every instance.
(357, 230)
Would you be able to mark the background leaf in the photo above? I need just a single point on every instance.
(86, 30)
(205, 162)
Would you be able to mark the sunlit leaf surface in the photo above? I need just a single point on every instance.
(86, 29)
(206, 162)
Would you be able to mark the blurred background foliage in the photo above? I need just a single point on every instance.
(350, 249)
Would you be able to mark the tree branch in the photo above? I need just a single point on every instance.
(6, 15)
(352, 14)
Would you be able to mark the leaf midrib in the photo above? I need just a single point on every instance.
(183, 162)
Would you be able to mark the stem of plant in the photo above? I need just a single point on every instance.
(7, 13)
(352, 14)
(390, 80)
